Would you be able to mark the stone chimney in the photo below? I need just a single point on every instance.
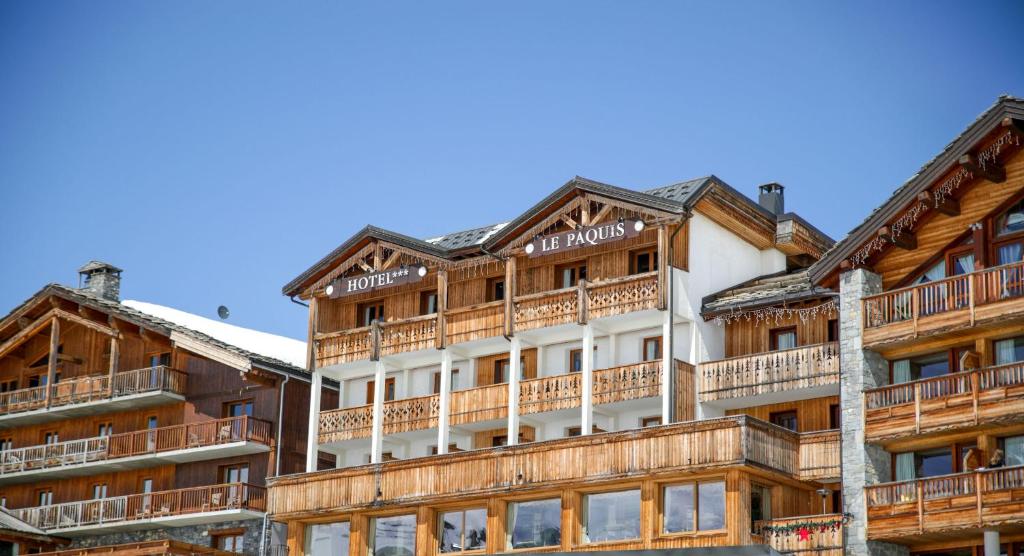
(100, 279)
(771, 198)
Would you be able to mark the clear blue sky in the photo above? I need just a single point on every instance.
(214, 150)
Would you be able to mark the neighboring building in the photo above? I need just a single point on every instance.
(128, 422)
(932, 341)
(551, 382)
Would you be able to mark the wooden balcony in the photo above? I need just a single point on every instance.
(150, 548)
(589, 300)
(537, 395)
(167, 445)
(946, 507)
(987, 396)
(820, 542)
(92, 394)
(765, 373)
(820, 456)
(679, 447)
(170, 508)
(984, 297)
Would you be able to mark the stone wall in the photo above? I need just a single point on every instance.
(193, 534)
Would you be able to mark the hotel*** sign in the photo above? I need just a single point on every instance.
(375, 280)
(583, 236)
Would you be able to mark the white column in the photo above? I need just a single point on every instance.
(991, 543)
(377, 434)
(313, 432)
(587, 382)
(444, 399)
(341, 393)
(666, 368)
(514, 372)
(613, 350)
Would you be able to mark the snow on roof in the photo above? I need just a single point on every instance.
(262, 343)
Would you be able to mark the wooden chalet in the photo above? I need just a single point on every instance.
(124, 418)
(535, 385)
(932, 334)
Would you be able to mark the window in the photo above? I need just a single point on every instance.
(151, 425)
(9, 385)
(370, 311)
(1013, 450)
(146, 485)
(694, 507)
(44, 497)
(36, 381)
(496, 288)
(105, 429)
(782, 338)
(99, 491)
(238, 473)
(50, 438)
(568, 275)
(384, 456)
(576, 431)
(1009, 351)
(463, 530)
(389, 390)
(652, 348)
(501, 367)
(393, 535)
(502, 440)
(650, 421)
(833, 330)
(160, 359)
(230, 542)
(611, 516)
(242, 408)
(453, 447)
(6, 444)
(576, 360)
(784, 419)
(834, 416)
(925, 366)
(760, 504)
(1011, 221)
(643, 260)
(328, 539)
(437, 381)
(428, 302)
(535, 523)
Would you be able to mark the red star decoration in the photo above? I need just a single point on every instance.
(805, 534)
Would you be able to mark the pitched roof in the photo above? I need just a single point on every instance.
(763, 291)
(10, 523)
(1005, 106)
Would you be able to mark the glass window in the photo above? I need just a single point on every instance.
(933, 463)
(369, 312)
(679, 508)
(785, 419)
(760, 504)
(1013, 451)
(393, 535)
(463, 530)
(611, 516)
(782, 338)
(428, 302)
(705, 501)
(1009, 351)
(710, 506)
(496, 288)
(535, 523)
(239, 409)
(327, 539)
(652, 348)
(934, 273)
(567, 276)
(1011, 221)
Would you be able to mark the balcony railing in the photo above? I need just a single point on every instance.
(536, 395)
(827, 541)
(775, 371)
(819, 455)
(165, 439)
(94, 388)
(135, 507)
(949, 303)
(679, 447)
(946, 505)
(148, 548)
(945, 402)
(599, 299)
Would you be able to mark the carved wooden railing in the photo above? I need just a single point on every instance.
(411, 414)
(819, 455)
(627, 382)
(152, 441)
(408, 334)
(619, 296)
(550, 393)
(337, 425)
(71, 515)
(775, 371)
(343, 347)
(93, 388)
(544, 309)
(823, 540)
(945, 402)
(474, 322)
(975, 499)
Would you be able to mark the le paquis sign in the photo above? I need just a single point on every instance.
(371, 281)
(583, 236)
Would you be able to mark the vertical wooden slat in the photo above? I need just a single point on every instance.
(51, 367)
(663, 266)
(510, 293)
(442, 308)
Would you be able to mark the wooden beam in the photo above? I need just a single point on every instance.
(115, 355)
(569, 221)
(364, 266)
(23, 334)
(906, 240)
(510, 293)
(993, 171)
(51, 367)
(442, 308)
(585, 212)
(605, 210)
(948, 206)
(1014, 125)
(391, 260)
(90, 324)
(23, 322)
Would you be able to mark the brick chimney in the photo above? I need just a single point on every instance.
(771, 198)
(100, 279)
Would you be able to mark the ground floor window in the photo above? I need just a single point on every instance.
(393, 535)
(535, 523)
(229, 541)
(694, 507)
(463, 530)
(611, 516)
(327, 539)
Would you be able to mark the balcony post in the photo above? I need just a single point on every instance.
(377, 429)
(514, 372)
(587, 381)
(313, 432)
(444, 399)
(666, 366)
(51, 367)
(991, 542)
(115, 354)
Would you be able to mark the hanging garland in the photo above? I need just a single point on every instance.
(779, 314)
(805, 528)
(990, 153)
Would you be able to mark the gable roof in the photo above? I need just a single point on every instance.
(771, 289)
(1005, 106)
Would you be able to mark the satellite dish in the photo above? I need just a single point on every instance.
(223, 312)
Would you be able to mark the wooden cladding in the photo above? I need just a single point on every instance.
(949, 505)
(136, 509)
(680, 447)
(775, 371)
(956, 400)
(586, 300)
(827, 541)
(536, 395)
(151, 548)
(94, 388)
(153, 441)
(978, 298)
